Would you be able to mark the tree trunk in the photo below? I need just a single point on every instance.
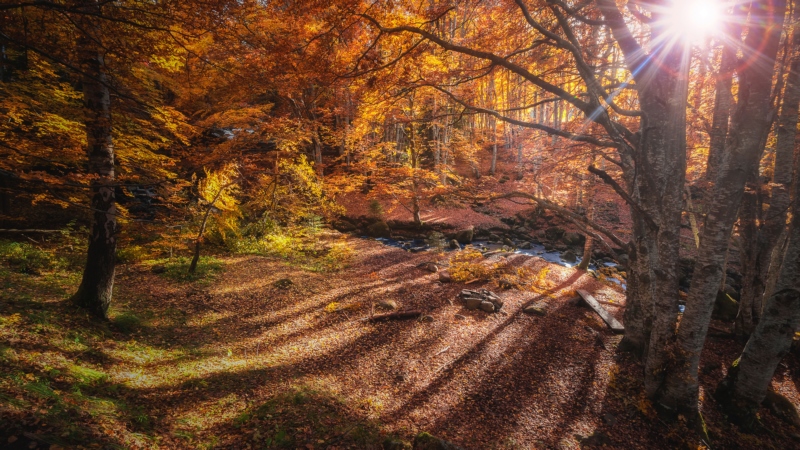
(749, 219)
(589, 244)
(660, 152)
(773, 222)
(750, 124)
(587, 253)
(723, 103)
(493, 168)
(664, 104)
(746, 385)
(94, 292)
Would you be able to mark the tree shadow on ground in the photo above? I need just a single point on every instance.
(301, 416)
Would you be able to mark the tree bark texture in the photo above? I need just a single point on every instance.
(756, 269)
(745, 387)
(749, 125)
(94, 292)
(656, 188)
(723, 103)
(662, 158)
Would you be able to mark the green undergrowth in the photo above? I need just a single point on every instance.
(305, 247)
(177, 269)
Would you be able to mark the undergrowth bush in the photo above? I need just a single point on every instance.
(469, 265)
(23, 257)
(131, 254)
(300, 245)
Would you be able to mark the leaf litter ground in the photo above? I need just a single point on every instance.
(251, 360)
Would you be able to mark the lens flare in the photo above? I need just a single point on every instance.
(694, 20)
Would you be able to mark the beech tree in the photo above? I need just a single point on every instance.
(648, 138)
(100, 43)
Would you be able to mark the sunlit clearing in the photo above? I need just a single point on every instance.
(694, 20)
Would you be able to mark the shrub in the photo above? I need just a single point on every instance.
(337, 257)
(26, 258)
(130, 255)
(469, 265)
(375, 208)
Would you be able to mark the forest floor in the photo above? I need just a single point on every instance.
(266, 353)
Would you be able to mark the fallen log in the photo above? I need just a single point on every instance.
(399, 315)
(598, 308)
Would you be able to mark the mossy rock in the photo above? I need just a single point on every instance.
(465, 236)
(573, 239)
(426, 441)
(554, 233)
(379, 229)
(344, 226)
(283, 283)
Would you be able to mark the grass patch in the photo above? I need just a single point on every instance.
(86, 375)
(127, 322)
(300, 246)
(177, 269)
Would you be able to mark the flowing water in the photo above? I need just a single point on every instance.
(536, 250)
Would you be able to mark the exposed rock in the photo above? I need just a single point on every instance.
(454, 244)
(158, 268)
(569, 256)
(387, 304)
(379, 229)
(480, 297)
(554, 233)
(444, 276)
(425, 441)
(487, 306)
(472, 303)
(344, 226)
(431, 267)
(465, 236)
(494, 237)
(535, 310)
(725, 307)
(526, 246)
(624, 260)
(508, 242)
(426, 319)
(283, 283)
(460, 317)
(573, 239)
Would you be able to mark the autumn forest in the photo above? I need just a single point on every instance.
(399, 224)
